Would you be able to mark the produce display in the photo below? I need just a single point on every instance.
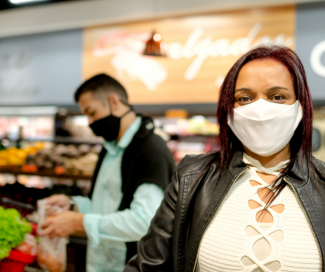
(12, 230)
(13, 156)
(60, 158)
(65, 158)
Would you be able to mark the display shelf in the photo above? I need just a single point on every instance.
(44, 173)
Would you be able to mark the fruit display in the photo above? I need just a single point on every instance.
(85, 164)
(12, 230)
(13, 156)
(58, 158)
(65, 158)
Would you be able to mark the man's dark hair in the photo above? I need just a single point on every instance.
(101, 86)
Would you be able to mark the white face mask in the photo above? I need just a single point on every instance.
(265, 127)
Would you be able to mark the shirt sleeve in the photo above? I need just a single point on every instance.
(83, 203)
(128, 225)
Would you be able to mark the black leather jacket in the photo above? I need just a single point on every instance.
(190, 202)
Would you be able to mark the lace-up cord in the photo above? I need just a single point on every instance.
(268, 261)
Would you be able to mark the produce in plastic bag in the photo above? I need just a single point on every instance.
(29, 246)
(52, 253)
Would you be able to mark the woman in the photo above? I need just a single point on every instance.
(257, 205)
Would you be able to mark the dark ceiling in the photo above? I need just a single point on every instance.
(4, 4)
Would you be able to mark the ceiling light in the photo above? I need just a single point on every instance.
(154, 46)
(17, 2)
(157, 37)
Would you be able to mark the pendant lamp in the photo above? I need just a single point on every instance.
(154, 46)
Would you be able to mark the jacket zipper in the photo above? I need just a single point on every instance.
(232, 183)
(306, 215)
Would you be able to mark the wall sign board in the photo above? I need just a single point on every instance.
(40, 69)
(200, 51)
(310, 45)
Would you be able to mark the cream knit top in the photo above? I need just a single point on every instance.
(238, 240)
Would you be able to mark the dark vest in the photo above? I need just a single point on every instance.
(146, 160)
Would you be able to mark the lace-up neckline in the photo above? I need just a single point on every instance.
(239, 238)
(264, 232)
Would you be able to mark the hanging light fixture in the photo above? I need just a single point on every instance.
(154, 46)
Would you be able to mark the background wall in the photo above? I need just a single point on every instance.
(45, 68)
(40, 69)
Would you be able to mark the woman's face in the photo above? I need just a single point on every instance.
(264, 79)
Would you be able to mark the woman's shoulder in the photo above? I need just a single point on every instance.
(320, 168)
(197, 163)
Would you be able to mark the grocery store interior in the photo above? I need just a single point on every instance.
(48, 48)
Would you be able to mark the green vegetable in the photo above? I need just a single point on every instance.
(12, 230)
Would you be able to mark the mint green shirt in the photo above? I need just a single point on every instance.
(107, 228)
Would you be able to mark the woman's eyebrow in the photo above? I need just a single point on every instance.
(243, 90)
(278, 88)
(270, 89)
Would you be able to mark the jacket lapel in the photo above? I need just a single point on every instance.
(209, 199)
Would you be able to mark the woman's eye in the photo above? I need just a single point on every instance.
(244, 100)
(278, 98)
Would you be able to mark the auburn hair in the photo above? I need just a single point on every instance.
(300, 143)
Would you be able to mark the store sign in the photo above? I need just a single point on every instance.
(310, 46)
(197, 47)
(200, 51)
(316, 59)
(41, 69)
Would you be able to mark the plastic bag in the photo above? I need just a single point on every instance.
(52, 254)
(29, 246)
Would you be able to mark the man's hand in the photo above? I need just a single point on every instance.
(63, 224)
(54, 201)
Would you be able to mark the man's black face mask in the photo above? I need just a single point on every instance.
(109, 126)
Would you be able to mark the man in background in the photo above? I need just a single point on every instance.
(134, 168)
